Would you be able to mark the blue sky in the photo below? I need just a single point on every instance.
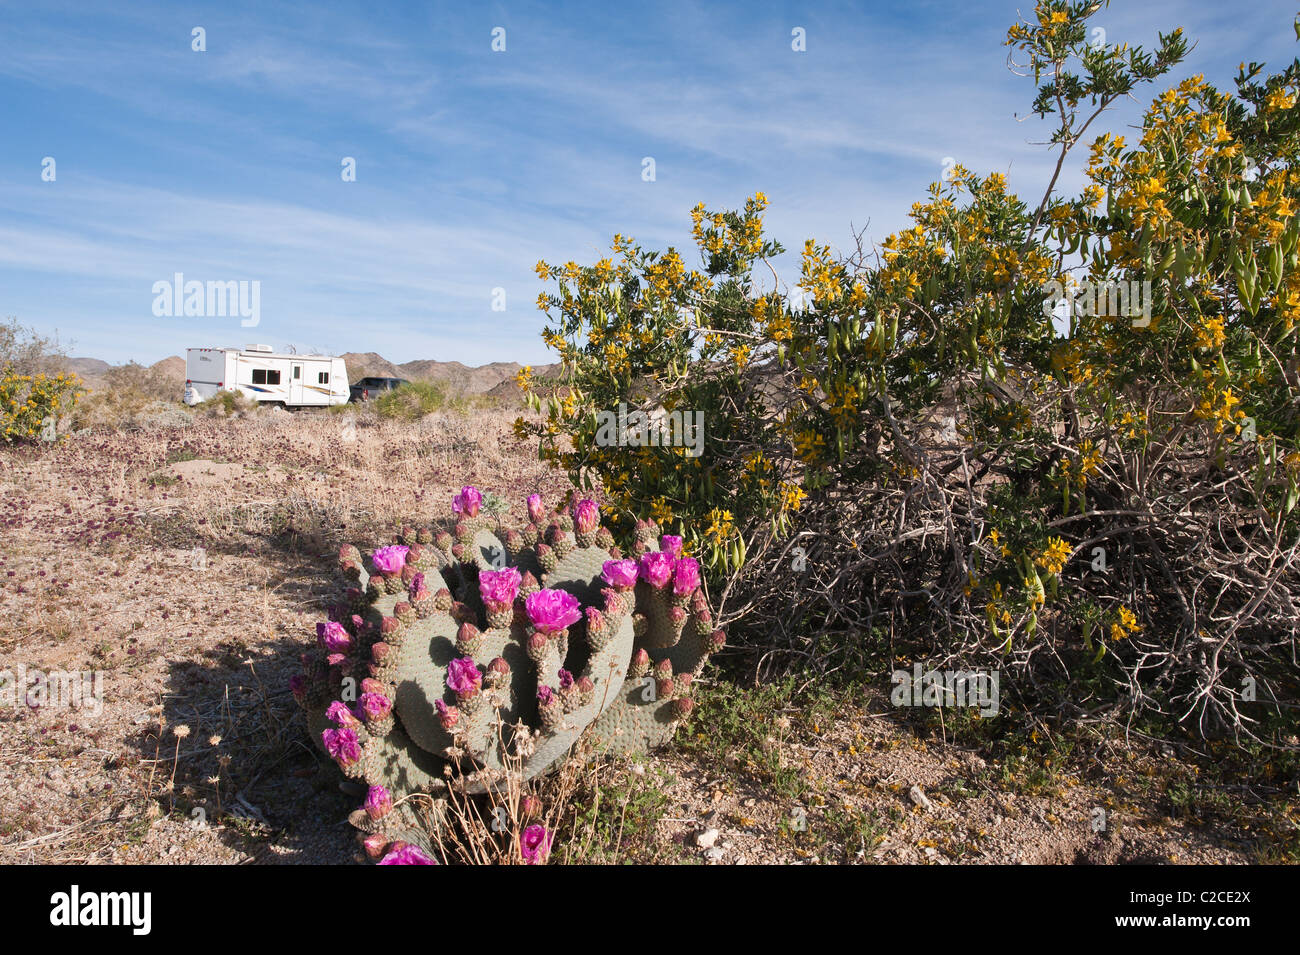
(473, 164)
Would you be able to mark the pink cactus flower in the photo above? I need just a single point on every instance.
(656, 568)
(333, 637)
(468, 501)
(499, 588)
(671, 545)
(379, 802)
(535, 510)
(535, 844)
(552, 610)
(566, 679)
(463, 675)
(619, 574)
(336, 659)
(375, 706)
(342, 745)
(339, 713)
(545, 695)
(390, 559)
(586, 516)
(686, 575)
(406, 855)
(298, 686)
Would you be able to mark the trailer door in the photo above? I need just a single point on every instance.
(295, 383)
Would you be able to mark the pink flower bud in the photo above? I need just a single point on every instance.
(448, 716)
(379, 802)
(375, 845)
(535, 844)
(468, 501)
(586, 516)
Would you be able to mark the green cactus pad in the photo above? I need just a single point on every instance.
(579, 574)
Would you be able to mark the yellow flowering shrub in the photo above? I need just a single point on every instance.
(31, 405)
(1017, 423)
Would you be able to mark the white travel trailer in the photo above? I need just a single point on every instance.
(293, 381)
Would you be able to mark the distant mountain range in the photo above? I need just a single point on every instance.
(495, 379)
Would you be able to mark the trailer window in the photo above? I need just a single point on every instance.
(297, 372)
(323, 378)
(265, 376)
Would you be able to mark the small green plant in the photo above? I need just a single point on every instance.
(617, 821)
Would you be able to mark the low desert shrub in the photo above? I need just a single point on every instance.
(410, 402)
(128, 396)
(225, 404)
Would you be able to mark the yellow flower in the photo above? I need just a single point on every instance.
(792, 497)
(1054, 558)
(1209, 334)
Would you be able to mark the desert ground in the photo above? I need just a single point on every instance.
(189, 561)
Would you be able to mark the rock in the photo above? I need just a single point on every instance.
(918, 797)
(713, 856)
(707, 838)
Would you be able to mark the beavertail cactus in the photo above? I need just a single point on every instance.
(452, 656)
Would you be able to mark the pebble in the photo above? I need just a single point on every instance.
(918, 797)
(707, 838)
(714, 855)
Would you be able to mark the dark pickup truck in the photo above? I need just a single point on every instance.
(368, 388)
